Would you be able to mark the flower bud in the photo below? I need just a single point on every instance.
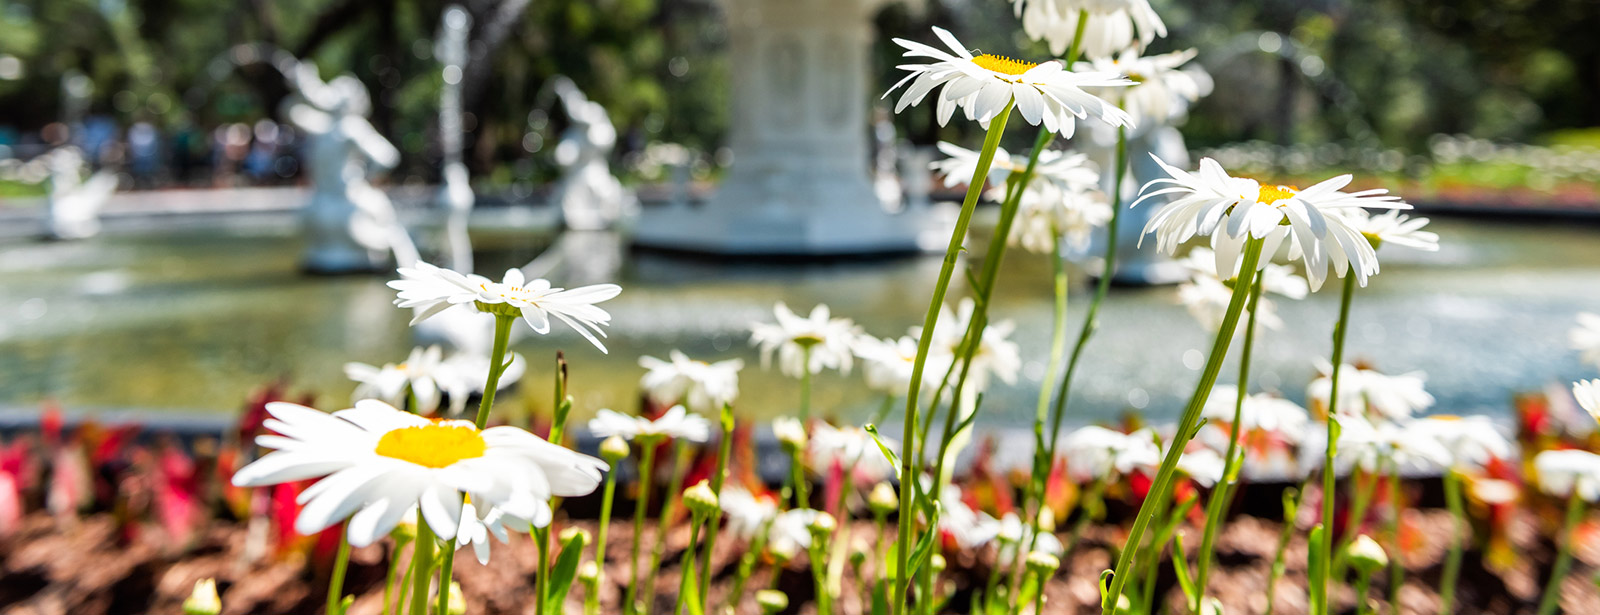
(567, 536)
(823, 526)
(701, 500)
(1367, 555)
(613, 449)
(938, 563)
(203, 600)
(790, 433)
(883, 500)
(589, 574)
(1212, 606)
(1047, 519)
(858, 556)
(1042, 563)
(406, 530)
(772, 601)
(458, 603)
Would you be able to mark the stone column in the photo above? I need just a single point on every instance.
(799, 182)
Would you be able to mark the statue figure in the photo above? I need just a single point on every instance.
(350, 225)
(591, 198)
(73, 204)
(455, 190)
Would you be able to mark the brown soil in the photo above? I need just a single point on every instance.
(89, 567)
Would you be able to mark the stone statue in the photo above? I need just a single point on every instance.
(350, 225)
(73, 204)
(591, 198)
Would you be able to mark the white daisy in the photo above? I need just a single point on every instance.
(701, 385)
(1393, 227)
(982, 86)
(434, 289)
(851, 448)
(1070, 170)
(472, 370)
(789, 430)
(1587, 392)
(1203, 466)
(1111, 28)
(888, 363)
(791, 531)
(1585, 338)
(1052, 211)
(830, 340)
(1206, 296)
(970, 528)
(1472, 441)
(676, 423)
(748, 514)
(1093, 452)
(1161, 91)
(423, 374)
(996, 356)
(379, 463)
(1562, 471)
(478, 526)
(1211, 201)
(1383, 446)
(1260, 412)
(1014, 533)
(1393, 397)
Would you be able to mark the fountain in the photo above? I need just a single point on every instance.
(72, 209)
(799, 184)
(455, 191)
(350, 225)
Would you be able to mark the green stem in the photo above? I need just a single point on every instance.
(541, 585)
(647, 465)
(747, 565)
(817, 555)
(1161, 489)
(1222, 495)
(908, 458)
(841, 536)
(444, 576)
(1363, 603)
(1290, 512)
(592, 600)
(714, 524)
(1091, 320)
(805, 385)
(669, 509)
(1552, 589)
(1397, 567)
(502, 336)
(405, 582)
(1038, 597)
(1452, 562)
(388, 579)
(686, 563)
(422, 558)
(797, 477)
(341, 561)
(1319, 598)
(1354, 518)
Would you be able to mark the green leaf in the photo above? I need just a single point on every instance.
(880, 597)
(1315, 573)
(872, 430)
(565, 570)
(1180, 563)
(691, 601)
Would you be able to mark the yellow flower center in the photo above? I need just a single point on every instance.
(433, 446)
(1003, 65)
(1273, 194)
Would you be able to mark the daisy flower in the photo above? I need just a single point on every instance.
(996, 356)
(676, 423)
(703, 386)
(1112, 24)
(970, 528)
(1014, 533)
(982, 86)
(1052, 211)
(888, 364)
(1585, 338)
(960, 164)
(1587, 392)
(1393, 227)
(478, 526)
(473, 370)
(1161, 91)
(1386, 446)
(1260, 412)
(1472, 441)
(851, 448)
(830, 340)
(1393, 397)
(1206, 295)
(1203, 466)
(1212, 202)
(434, 289)
(378, 463)
(789, 431)
(748, 514)
(1093, 452)
(791, 531)
(1563, 471)
(423, 373)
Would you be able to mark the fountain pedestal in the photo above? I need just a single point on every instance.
(799, 182)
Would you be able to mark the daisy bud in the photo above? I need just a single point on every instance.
(772, 600)
(1047, 519)
(702, 501)
(790, 433)
(1043, 564)
(883, 500)
(858, 556)
(203, 600)
(1212, 606)
(458, 603)
(589, 574)
(823, 526)
(1367, 555)
(405, 531)
(574, 536)
(613, 449)
(938, 563)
